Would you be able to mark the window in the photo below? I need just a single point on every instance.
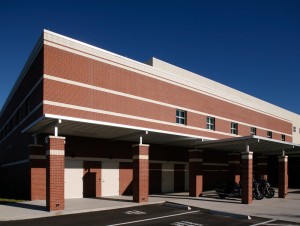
(234, 128)
(253, 130)
(269, 134)
(282, 137)
(181, 117)
(210, 123)
(294, 128)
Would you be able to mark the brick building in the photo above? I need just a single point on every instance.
(84, 122)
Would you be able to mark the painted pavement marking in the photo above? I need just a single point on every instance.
(154, 218)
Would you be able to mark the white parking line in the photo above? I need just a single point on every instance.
(154, 218)
(263, 222)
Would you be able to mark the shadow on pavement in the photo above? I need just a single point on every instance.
(209, 198)
(113, 199)
(26, 206)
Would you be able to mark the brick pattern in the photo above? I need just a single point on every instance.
(81, 69)
(282, 176)
(247, 177)
(37, 173)
(140, 173)
(195, 173)
(55, 174)
(234, 161)
(91, 179)
(33, 74)
(126, 176)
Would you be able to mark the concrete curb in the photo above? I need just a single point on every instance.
(226, 214)
(176, 205)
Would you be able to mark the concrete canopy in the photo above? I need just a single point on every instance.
(88, 128)
(257, 144)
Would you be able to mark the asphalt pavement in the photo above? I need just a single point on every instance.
(156, 214)
(274, 210)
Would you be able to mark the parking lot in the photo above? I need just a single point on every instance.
(156, 214)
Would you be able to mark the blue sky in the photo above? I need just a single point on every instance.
(249, 45)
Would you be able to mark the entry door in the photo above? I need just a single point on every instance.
(110, 179)
(73, 179)
(167, 177)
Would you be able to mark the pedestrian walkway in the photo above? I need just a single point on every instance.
(282, 209)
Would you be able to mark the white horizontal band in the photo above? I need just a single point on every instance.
(37, 157)
(247, 156)
(195, 150)
(146, 157)
(55, 152)
(262, 157)
(195, 160)
(262, 164)
(234, 162)
(282, 159)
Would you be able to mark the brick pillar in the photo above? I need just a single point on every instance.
(140, 173)
(247, 174)
(262, 166)
(55, 160)
(234, 161)
(37, 174)
(282, 176)
(195, 173)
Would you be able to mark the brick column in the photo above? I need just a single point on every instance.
(234, 161)
(262, 166)
(282, 176)
(37, 174)
(140, 172)
(247, 174)
(55, 160)
(195, 173)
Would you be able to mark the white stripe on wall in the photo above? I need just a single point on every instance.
(97, 88)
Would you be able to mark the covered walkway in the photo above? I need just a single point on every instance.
(242, 150)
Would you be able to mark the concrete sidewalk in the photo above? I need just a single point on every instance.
(282, 209)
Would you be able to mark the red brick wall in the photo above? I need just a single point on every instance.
(246, 177)
(70, 66)
(33, 74)
(38, 179)
(125, 176)
(55, 174)
(140, 185)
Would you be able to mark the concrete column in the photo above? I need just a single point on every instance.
(140, 173)
(55, 170)
(234, 161)
(262, 166)
(195, 173)
(37, 174)
(247, 174)
(282, 176)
